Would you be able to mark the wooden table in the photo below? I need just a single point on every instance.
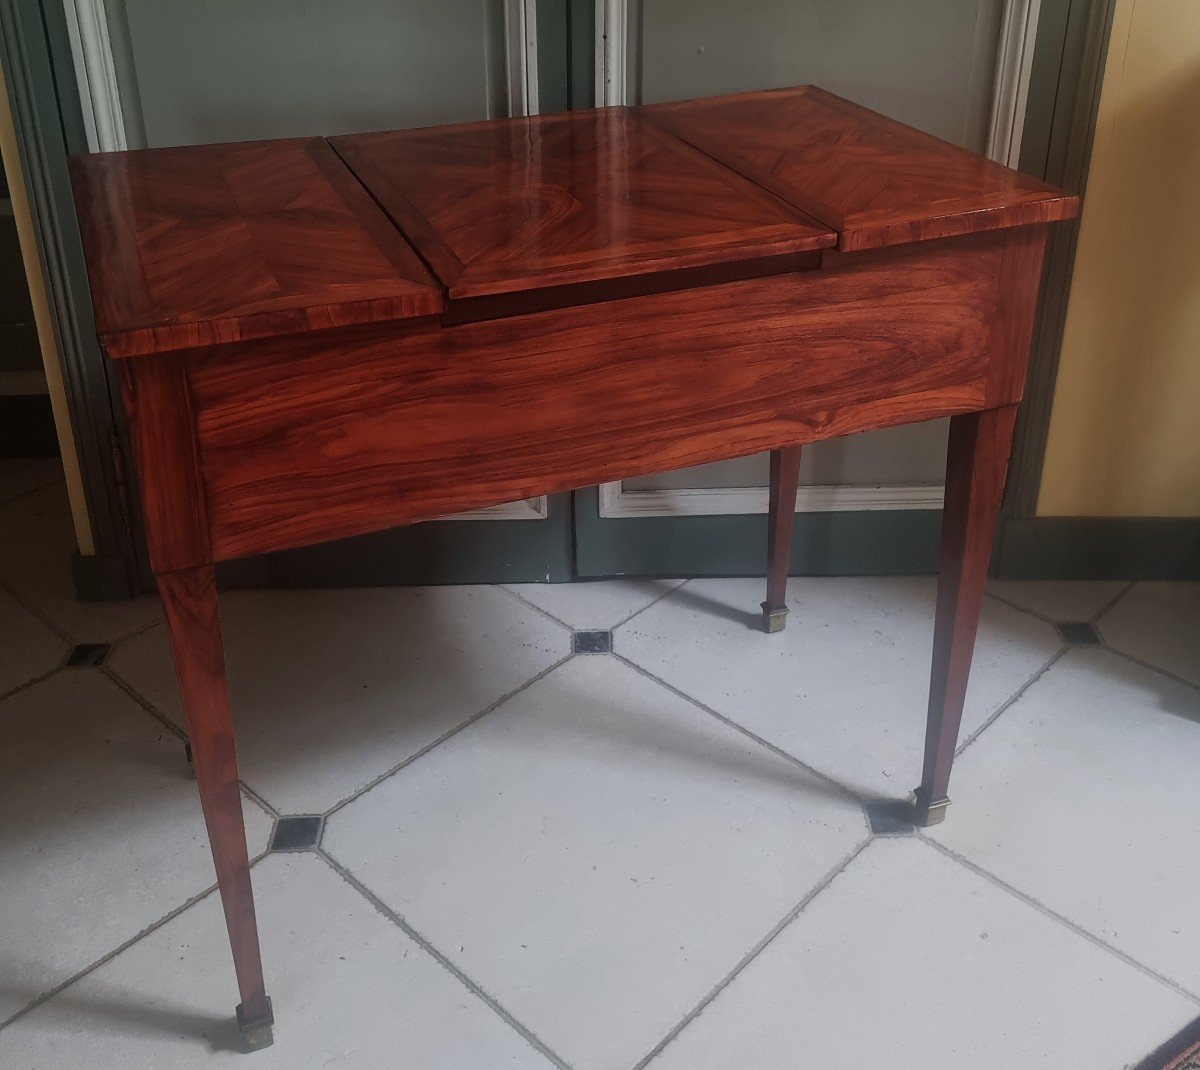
(321, 338)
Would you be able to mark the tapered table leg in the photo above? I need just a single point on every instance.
(190, 600)
(785, 473)
(975, 468)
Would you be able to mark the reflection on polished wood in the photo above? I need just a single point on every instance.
(321, 339)
(500, 207)
(876, 181)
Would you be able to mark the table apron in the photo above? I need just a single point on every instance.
(294, 441)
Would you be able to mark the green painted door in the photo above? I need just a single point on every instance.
(226, 70)
(867, 503)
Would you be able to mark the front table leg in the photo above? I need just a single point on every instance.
(977, 458)
(190, 600)
(781, 514)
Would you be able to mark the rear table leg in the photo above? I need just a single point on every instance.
(190, 601)
(976, 462)
(785, 474)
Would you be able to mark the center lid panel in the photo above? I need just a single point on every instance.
(527, 204)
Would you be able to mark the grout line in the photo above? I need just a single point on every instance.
(537, 609)
(1014, 698)
(1149, 665)
(51, 993)
(141, 629)
(1020, 608)
(753, 953)
(179, 733)
(383, 909)
(612, 628)
(20, 496)
(36, 613)
(357, 794)
(1054, 915)
(31, 683)
(850, 793)
(1111, 602)
(262, 804)
(637, 612)
(144, 702)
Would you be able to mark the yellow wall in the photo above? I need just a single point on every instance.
(1125, 425)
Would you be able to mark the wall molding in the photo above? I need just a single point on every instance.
(96, 73)
(1098, 548)
(523, 509)
(616, 501)
(612, 52)
(521, 55)
(1010, 91)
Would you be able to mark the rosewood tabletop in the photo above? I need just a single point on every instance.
(320, 338)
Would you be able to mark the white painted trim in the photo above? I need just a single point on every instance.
(612, 51)
(615, 501)
(523, 509)
(520, 28)
(99, 95)
(1010, 92)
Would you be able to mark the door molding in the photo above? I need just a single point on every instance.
(615, 501)
(96, 73)
(521, 56)
(617, 63)
(1010, 92)
(613, 52)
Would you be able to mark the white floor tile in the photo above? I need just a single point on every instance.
(594, 604)
(331, 688)
(19, 477)
(596, 853)
(28, 648)
(1085, 795)
(101, 832)
(908, 960)
(1160, 624)
(1059, 600)
(38, 540)
(845, 687)
(349, 990)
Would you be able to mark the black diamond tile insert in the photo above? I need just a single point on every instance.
(89, 654)
(296, 833)
(1078, 633)
(593, 642)
(890, 817)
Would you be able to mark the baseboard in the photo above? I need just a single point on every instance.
(1098, 548)
(101, 579)
(890, 542)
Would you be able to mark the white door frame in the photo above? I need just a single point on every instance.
(614, 80)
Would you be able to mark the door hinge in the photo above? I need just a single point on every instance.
(121, 478)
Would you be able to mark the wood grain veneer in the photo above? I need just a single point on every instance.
(874, 180)
(523, 204)
(323, 437)
(217, 243)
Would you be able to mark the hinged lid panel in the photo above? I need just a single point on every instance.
(216, 243)
(876, 181)
(529, 204)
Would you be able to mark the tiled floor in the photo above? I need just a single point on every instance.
(659, 857)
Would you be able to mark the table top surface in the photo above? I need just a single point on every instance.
(553, 200)
(200, 245)
(875, 181)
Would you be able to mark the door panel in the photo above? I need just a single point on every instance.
(930, 63)
(227, 70)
